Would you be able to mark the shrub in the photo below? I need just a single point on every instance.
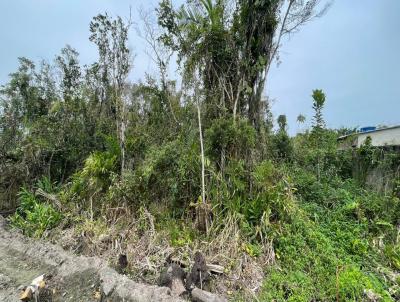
(392, 252)
(352, 284)
(97, 174)
(234, 139)
(283, 147)
(287, 286)
(171, 173)
(34, 216)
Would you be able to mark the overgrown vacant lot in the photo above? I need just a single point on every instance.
(145, 175)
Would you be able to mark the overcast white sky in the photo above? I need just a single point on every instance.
(352, 53)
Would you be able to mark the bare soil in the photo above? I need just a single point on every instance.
(68, 277)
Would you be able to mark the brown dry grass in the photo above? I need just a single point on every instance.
(147, 248)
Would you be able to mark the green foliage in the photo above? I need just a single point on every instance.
(318, 105)
(33, 215)
(301, 119)
(273, 189)
(96, 172)
(181, 235)
(283, 146)
(332, 231)
(88, 185)
(282, 123)
(168, 174)
(392, 252)
(228, 48)
(253, 249)
(287, 286)
(171, 172)
(262, 211)
(352, 284)
(229, 139)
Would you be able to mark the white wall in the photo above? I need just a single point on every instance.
(385, 137)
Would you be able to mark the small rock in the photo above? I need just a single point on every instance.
(199, 295)
(174, 271)
(173, 278)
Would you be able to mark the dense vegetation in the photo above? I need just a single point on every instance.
(199, 165)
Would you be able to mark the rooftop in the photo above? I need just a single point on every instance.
(368, 130)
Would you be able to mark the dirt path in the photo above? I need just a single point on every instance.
(72, 278)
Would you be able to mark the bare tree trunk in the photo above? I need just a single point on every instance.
(202, 207)
(122, 137)
(203, 187)
(120, 122)
(236, 100)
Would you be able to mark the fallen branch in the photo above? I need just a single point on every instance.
(199, 295)
(215, 269)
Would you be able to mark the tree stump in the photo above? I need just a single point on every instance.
(199, 272)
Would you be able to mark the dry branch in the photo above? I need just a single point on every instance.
(50, 197)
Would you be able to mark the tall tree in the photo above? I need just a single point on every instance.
(318, 139)
(282, 140)
(160, 55)
(301, 119)
(282, 123)
(115, 62)
(68, 64)
(232, 49)
(318, 105)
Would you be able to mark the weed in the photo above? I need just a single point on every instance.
(34, 216)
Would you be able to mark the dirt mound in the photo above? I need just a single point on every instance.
(69, 278)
